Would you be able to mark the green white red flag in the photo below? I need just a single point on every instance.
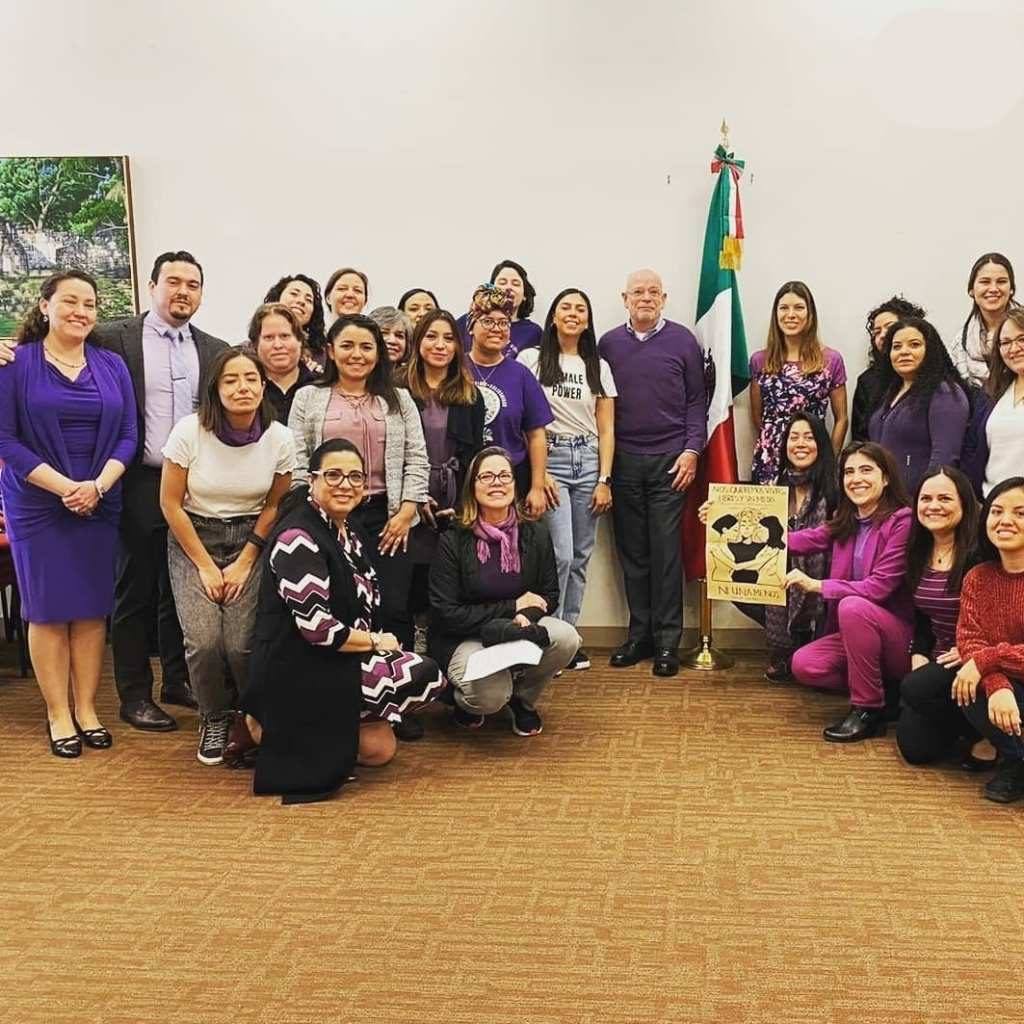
(719, 330)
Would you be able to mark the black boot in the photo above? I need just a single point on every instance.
(859, 724)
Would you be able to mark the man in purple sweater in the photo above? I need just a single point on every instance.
(660, 431)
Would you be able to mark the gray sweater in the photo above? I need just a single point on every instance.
(406, 469)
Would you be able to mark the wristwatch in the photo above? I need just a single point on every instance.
(607, 480)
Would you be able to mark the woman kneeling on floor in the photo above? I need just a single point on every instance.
(990, 635)
(870, 616)
(941, 544)
(494, 578)
(325, 686)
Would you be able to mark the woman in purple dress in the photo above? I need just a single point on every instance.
(793, 373)
(67, 431)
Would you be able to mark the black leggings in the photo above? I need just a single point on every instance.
(930, 722)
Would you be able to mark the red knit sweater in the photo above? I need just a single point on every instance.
(991, 625)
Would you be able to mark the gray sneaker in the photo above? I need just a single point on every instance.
(213, 737)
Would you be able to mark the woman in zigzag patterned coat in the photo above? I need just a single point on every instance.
(325, 685)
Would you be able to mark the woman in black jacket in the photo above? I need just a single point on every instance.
(494, 579)
(325, 685)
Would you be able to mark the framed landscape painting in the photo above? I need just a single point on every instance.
(59, 212)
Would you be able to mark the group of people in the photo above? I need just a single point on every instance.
(379, 499)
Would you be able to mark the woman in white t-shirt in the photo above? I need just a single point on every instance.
(581, 441)
(226, 469)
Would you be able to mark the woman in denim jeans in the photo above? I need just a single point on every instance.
(581, 442)
(226, 469)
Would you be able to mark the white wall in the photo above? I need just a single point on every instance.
(424, 141)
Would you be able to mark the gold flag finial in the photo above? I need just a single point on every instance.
(725, 134)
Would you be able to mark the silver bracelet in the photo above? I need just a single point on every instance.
(99, 488)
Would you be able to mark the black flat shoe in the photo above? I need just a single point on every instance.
(1007, 785)
(666, 662)
(98, 739)
(409, 729)
(630, 653)
(66, 746)
(144, 714)
(970, 763)
(859, 724)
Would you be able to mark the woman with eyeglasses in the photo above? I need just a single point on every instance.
(867, 395)
(326, 682)
(494, 579)
(516, 408)
(524, 333)
(996, 449)
(356, 399)
(990, 638)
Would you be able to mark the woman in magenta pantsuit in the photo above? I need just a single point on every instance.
(67, 431)
(870, 614)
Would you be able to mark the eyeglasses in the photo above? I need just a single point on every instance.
(487, 478)
(335, 477)
(490, 323)
(1007, 343)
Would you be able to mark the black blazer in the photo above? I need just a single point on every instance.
(125, 338)
(458, 609)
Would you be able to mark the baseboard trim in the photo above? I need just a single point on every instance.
(607, 637)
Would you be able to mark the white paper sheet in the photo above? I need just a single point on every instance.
(489, 660)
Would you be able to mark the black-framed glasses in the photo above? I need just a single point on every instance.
(1007, 343)
(337, 477)
(487, 477)
(490, 323)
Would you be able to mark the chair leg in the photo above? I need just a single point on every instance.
(20, 629)
(8, 624)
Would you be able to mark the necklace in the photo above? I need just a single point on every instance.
(941, 558)
(479, 373)
(63, 362)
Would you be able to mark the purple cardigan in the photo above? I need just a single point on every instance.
(920, 437)
(885, 566)
(30, 435)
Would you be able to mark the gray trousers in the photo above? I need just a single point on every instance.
(490, 694)
(217, 636)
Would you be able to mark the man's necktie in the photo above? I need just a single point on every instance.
(181, 389)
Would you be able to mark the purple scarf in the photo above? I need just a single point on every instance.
(237, 437)
(506, 534)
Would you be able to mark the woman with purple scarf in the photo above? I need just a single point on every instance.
(67, 431)
(493, 580)
(226, 469)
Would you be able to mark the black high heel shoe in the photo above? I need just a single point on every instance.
(66, 746)
(98, 739)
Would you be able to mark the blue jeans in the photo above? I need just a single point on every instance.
(572, 461)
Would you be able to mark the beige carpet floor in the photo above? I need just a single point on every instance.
(668, 850)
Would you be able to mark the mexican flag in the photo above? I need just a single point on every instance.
(722, 338)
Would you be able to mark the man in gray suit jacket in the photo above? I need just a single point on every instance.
(167, 357)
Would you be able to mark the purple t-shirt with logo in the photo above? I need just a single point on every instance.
(513, 403)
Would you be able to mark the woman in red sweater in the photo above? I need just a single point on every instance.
(990, 637)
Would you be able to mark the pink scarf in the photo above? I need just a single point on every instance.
(505, 533)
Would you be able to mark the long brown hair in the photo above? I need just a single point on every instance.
(212, 416)
(843, 525)
(469, 510)
(812, 355)
(1000, 376)
(457, 388)
(35, 326)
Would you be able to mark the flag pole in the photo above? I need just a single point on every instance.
(705, 656)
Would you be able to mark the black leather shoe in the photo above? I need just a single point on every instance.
(409, 729)
(859, 724)
(144, 714)
(666, 662)
(631, 652)
(181, 697)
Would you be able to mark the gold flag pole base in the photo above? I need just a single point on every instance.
(705, 657)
